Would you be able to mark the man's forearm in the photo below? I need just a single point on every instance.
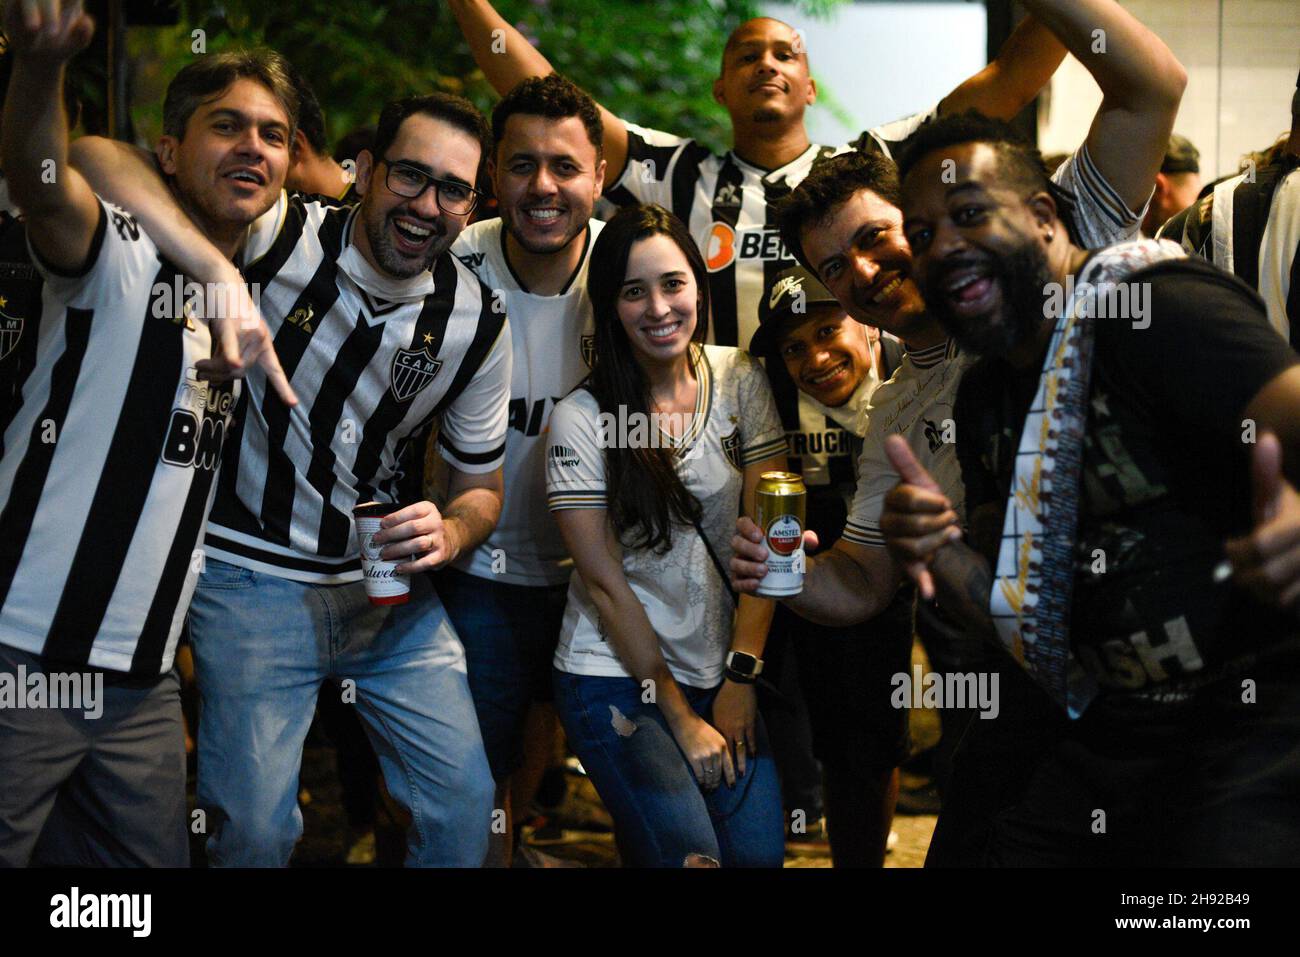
(837, 592)
(1021, 69)
(36, 137)
(471, 516)
(501, 52)
(1133, 67)
(963, 581)
(125, 176)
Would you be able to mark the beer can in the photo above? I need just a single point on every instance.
(780, 508)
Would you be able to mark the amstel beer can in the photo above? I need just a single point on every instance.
(780, 506)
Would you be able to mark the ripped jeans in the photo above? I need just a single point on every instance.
(661, 814)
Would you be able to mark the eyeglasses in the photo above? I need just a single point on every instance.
(454, 198)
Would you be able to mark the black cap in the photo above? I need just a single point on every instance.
(792, 293)
(1181, 157)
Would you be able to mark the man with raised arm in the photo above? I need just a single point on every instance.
(112, 442)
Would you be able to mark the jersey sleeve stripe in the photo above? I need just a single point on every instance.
(559, 501)
(862, 535)
(471, 458)
(766, 450)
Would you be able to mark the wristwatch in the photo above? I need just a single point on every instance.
(743, 668)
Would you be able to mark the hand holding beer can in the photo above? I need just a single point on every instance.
(780, 507)
(383, 585)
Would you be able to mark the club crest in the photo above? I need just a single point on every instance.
(588, 346)
(11, 331)
(731, 447)
(413, 369)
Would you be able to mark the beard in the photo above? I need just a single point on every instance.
(394, 262)
(1022, 278)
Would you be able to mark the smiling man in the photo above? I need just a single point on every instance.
(1164, 693)
(386, 332)
(507, 597)
(112, 441)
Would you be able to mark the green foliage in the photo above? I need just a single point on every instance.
(652, 62)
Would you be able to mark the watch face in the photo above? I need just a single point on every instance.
(742, 662)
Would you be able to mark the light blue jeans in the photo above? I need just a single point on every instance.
(262, 646)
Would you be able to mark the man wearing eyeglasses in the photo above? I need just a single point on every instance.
(381, 332)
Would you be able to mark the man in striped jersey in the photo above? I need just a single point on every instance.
(111, 446)
(1250, 226)
(387, 332)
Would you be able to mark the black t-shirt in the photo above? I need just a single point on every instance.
(1165, 476)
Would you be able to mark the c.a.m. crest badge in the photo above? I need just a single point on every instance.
(11, 330)
(413, 369)
(731, 448)
(588, 346)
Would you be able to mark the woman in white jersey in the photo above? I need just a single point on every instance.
(649, 464)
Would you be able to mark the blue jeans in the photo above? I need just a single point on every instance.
(509, 633)
(262, 646)
(661, 814)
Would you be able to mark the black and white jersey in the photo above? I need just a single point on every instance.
(727, 204)
(1249, 225)
(20, 308)
(110, 448)
(374, 361)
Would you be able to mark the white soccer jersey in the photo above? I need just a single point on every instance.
(374, 361)
(917, 400)
(735, 424)
(108, 464)
(727, 204)
(551, 344)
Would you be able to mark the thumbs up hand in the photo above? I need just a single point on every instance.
(918, 519)
(1267, 561)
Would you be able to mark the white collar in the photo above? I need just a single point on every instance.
(852, 415)
(380, 285)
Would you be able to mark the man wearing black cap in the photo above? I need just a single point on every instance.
(1250, 225)
(1177, 184)
(857, 736)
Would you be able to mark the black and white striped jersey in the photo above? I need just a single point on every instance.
(727, 204)
(1249, 225)
(375, 361)
(110, 449)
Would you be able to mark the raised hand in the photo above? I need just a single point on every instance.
(918, 519)
(53, 30)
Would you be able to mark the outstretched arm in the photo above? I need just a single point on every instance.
(1020, 70)
(61, 211)
(506, 58)
(1141, 82)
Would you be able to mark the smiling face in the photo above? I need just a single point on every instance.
(861, 256)
(979, 247)
(547, 178)
(658, 303)
(827, 355)
(230, 165)
(403, 237)
(765, 76)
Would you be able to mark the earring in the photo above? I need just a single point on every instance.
(1050, 235)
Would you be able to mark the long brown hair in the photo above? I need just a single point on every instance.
(645, 495)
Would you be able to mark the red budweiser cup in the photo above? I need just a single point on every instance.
(383, 585)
